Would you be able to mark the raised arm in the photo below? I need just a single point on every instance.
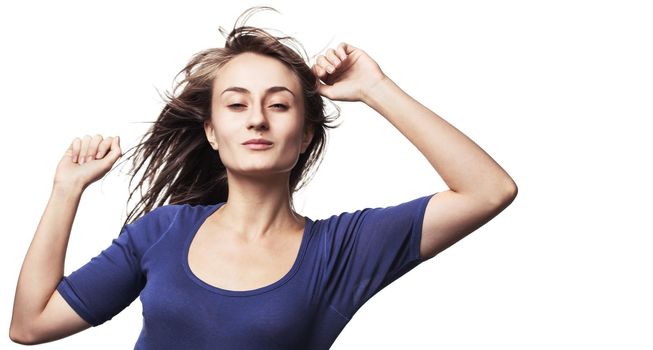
(40, 314)
(479, 188)
(41, 272)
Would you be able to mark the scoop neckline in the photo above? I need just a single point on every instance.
(298, 259)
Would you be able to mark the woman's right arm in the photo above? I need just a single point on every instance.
(40, 313)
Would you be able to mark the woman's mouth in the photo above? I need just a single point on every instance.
(258, 146)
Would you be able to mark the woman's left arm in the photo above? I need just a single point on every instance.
(479, 188)
(462, 164)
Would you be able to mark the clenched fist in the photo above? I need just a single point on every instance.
(87, 160)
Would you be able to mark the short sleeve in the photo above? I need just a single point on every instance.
(112, 280)
(368, 249)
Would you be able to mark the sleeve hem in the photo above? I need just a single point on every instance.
(67, 292)
(419, 226)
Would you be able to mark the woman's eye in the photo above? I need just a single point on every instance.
(276, 105)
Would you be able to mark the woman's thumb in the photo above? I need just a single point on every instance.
(115, 148)
(324, 90)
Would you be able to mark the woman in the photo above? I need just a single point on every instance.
(228, 262)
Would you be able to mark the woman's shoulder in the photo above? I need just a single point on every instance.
(168, 214)
(158, 219)
(163, 212)
(152, 226)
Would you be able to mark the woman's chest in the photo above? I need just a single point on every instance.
(170, 308)
(229, 293)
(225, 263)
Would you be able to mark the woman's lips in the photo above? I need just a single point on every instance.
(258, 146)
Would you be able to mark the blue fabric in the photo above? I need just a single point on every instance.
(343, 261)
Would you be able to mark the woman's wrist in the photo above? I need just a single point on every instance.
(67, 189)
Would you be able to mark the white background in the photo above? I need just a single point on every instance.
(559, 93)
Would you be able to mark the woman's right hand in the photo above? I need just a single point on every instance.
(87, 160)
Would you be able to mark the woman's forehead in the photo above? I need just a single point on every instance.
(256, 74)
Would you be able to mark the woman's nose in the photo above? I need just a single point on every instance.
(257, 119)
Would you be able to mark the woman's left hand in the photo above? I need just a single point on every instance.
(353, 76)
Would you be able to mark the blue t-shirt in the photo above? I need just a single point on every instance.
(342, 262)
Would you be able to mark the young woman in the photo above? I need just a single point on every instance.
(218, 255)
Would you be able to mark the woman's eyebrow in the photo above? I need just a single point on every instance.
(270, 90)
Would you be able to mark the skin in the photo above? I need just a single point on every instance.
(258, 206)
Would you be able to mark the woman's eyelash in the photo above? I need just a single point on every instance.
(276, 104)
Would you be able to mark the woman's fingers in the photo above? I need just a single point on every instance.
(76, 146)
(104, 146)
(324, 64)
(115, 147)
(317, 71)
(347, 48)
(89, 148)
(93, 146)
(333, 59)
(328, 63)
(86, 140)
(340, 50)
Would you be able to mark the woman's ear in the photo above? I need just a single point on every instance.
(307, 137)
(210, 136)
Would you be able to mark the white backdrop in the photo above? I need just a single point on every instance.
(558, 93)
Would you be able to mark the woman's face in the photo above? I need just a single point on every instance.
(256, 96)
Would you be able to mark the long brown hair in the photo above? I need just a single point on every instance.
(182, 168)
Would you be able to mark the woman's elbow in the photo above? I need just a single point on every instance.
(22, 336)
